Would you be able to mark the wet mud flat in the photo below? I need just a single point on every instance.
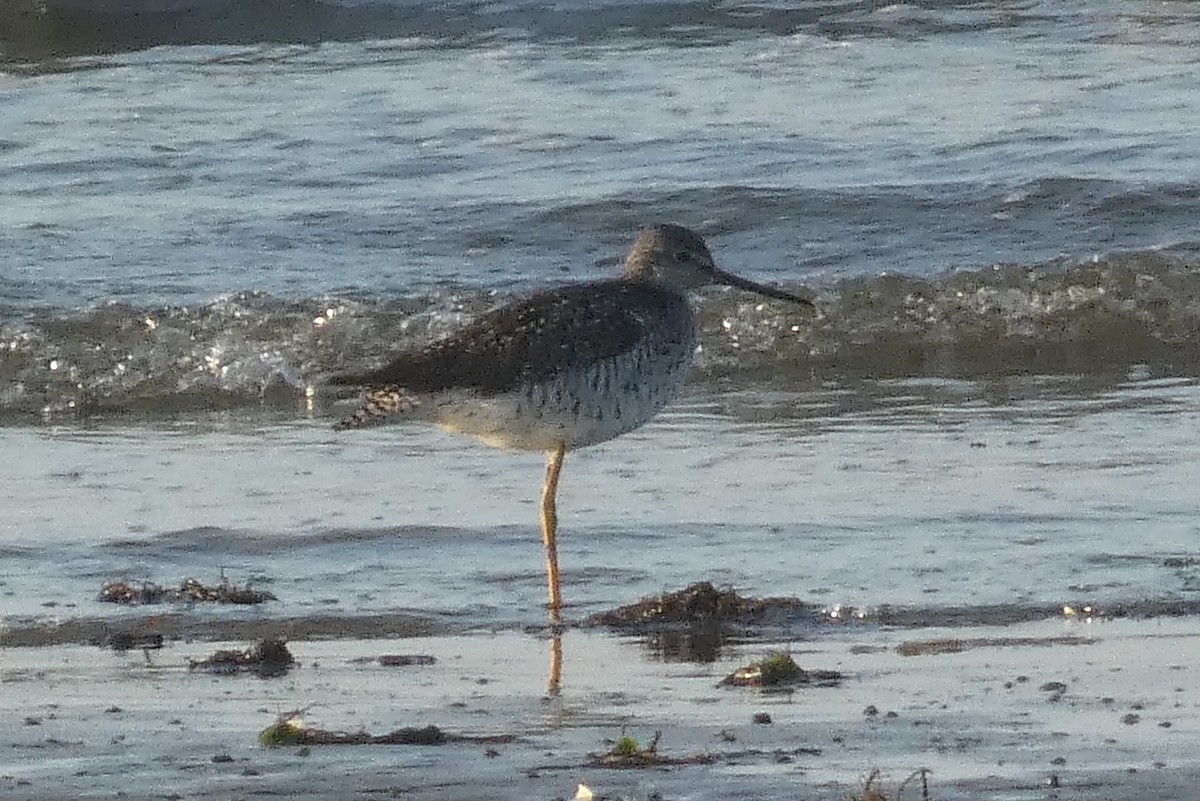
(1052, 708)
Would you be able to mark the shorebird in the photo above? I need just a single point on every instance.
(564, 368)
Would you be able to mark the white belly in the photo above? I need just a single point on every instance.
(579, 408)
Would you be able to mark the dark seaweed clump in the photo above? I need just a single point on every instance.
(694, 623)
(266, 659)
(190, 590)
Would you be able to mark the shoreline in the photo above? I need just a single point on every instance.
(1041, 704)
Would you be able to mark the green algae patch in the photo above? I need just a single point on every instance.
(627, 752)
(779, 671)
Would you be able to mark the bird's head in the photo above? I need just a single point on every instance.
(677, 258)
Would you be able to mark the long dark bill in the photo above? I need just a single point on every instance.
(729, 279)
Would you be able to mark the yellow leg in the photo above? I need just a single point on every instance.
(550, 527)
(554, 680)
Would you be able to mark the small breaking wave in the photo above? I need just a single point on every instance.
(249, 350)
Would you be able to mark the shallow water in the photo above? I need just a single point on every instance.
(993, 415)
(928, 495)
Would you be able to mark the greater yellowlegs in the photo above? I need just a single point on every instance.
(562, 369)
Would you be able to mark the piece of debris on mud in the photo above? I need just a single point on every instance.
(129, 640)
(873, 787)
(223, 593)
(126, 592)
(702, 604)
(406, 660)
(395, 660)
(190, 590)
(955, 646)
(266, 659)
(778, 671)
(628, 753)
(289, 729)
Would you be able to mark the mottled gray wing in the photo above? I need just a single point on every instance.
(530, 340)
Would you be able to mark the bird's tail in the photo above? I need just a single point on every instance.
(378, 404)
